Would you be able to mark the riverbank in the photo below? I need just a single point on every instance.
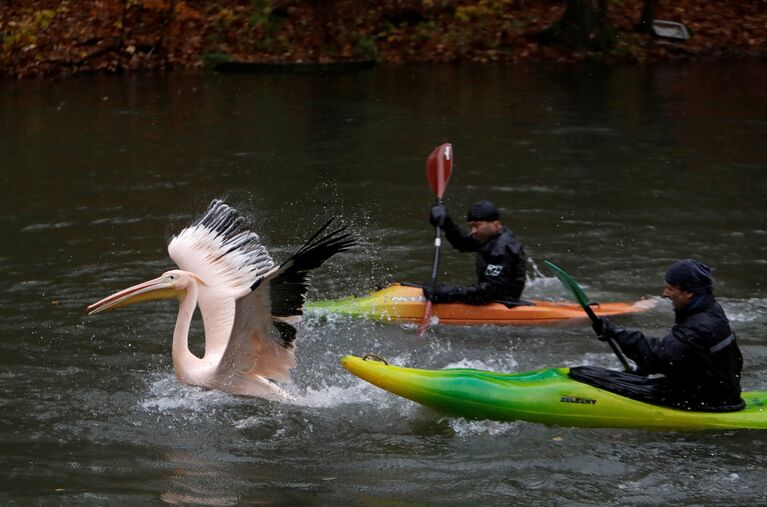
(67, 37)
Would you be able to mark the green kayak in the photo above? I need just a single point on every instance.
(547, 396)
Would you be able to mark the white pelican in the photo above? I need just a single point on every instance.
(249, 306)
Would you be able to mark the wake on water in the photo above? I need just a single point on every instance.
(355, 398)
(328, 387)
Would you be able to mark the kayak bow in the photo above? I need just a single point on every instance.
(547, 396)
(401, 303)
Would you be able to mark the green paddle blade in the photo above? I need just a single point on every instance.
(571, 284)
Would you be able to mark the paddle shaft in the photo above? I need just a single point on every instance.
(600, 332)
(437, 247)
(438, 168)
(434, 272)
(583, 300)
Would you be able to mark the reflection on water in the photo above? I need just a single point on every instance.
(612, 173)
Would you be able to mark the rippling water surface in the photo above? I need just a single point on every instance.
(610, 173)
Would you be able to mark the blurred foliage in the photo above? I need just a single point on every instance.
(25, 32)
(56, 37)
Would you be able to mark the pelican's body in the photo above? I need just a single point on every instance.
(249, 305)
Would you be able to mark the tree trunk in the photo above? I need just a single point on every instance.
(648, 14)
(584, 25)
(165, 43)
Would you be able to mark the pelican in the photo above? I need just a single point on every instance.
(250, 307)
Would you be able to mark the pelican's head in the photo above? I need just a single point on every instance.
(170, 285)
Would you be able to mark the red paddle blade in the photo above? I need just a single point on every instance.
(426, 319)
(439, 165)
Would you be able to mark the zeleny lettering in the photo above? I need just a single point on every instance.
(575, 399)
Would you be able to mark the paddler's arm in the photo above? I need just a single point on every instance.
(652, 355)
(478, 294)
(461, 241)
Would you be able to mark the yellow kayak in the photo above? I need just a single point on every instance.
(547, 396)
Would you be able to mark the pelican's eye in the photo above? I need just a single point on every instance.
(172, 277)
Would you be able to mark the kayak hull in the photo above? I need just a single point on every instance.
(547, 396)
(401, 303)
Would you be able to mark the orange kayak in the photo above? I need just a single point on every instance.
(403, 303)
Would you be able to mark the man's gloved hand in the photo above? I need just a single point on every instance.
(438, 216)
(440, 291)
(608, 329)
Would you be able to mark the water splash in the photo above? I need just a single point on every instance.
(167, 394)
(468, 429)
(745, 310)
(336, 396)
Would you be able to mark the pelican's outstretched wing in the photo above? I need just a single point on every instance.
(220, 249)
(228, 259)
(263, 333)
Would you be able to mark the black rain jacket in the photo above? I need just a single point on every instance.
(500, 266)
(699, 359)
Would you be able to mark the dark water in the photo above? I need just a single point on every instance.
(611, 173)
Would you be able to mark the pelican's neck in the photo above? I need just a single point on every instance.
(183, 360)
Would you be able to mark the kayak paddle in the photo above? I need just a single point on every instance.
(583, 299)
(439, 165)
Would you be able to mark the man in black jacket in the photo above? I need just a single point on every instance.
(500, 257)
(699, 359)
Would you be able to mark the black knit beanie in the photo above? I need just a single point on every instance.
(483, 211)
(690, 275)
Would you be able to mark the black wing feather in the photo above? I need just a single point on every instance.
(289, 284)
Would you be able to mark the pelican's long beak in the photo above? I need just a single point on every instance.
(159, 288)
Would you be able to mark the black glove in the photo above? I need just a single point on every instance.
(439, 292)
(438, 216)
(605, 329)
